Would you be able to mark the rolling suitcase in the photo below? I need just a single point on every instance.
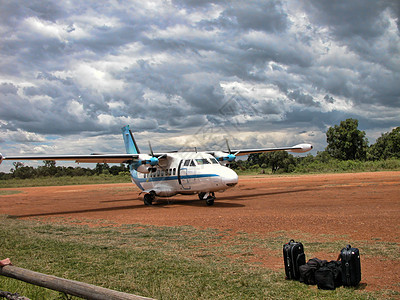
(294, 257)
(351, 266)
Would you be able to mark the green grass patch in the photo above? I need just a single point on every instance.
(4, 193)
(331, 166)
(339, 166)
(166, 262)
(64, 180)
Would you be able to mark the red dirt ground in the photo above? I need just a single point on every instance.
(355, 206)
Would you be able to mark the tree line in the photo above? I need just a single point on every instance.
(346, 143)
(49, 169)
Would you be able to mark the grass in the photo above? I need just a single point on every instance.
(4, 193)
(168, 262)
(332, 166)
(64, 180)
(338, 166)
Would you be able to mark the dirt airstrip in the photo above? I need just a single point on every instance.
(353, 207)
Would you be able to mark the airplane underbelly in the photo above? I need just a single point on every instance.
(207, 183)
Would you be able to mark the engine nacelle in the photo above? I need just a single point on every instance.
(143, 168)
(224, 157)
(303, 148)
(146, 165)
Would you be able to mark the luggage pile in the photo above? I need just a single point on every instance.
(326, 275)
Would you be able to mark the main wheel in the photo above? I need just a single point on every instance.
(210, 200)
(148, 199)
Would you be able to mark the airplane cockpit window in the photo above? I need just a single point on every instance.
(187, 162)
(192, 164)
(202, 161)
(214, 161)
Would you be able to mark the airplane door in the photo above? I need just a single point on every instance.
(183, 174)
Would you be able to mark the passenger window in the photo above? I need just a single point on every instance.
(174, 171)
(158, 173)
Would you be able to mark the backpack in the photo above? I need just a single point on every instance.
(329, 276)
(307, 271)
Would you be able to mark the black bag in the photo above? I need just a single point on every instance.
(293, 256)
(351, 266)
(329, 276)
(307, 271)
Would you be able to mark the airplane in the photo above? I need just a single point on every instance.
(170, 173)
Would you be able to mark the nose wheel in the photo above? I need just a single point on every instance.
(149, 198)
(209, 197)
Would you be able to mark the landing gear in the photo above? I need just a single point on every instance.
(149, 198)
(210, 200)
(209, 197)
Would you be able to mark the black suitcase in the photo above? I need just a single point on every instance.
(294, 257)
(351, 266)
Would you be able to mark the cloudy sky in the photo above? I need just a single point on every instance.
(191, 73)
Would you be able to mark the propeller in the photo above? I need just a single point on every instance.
(153, 160)
(230, 157)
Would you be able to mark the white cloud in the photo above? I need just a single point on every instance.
(76, 109)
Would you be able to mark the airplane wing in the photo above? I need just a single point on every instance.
(231, 154)
(301, 148)
(92, 158)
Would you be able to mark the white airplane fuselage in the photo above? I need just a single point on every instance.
(185, 173)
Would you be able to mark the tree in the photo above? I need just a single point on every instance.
(346, 142)
(102, 168)
(386, 146)
(254, 159)
(279, 160)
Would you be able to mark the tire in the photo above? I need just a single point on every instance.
(148, 199)
(210, 201)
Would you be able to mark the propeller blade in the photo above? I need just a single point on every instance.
(151, 149)
(227, 145)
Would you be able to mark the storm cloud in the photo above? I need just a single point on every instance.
(266, 72)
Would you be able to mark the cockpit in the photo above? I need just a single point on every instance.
(200, 161)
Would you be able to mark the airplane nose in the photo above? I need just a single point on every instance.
(229, 178)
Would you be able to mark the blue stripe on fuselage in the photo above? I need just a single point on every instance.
(148, 179)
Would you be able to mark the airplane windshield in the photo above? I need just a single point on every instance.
(214, 161)
(202, 161)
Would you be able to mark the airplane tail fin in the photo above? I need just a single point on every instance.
(130, 143)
